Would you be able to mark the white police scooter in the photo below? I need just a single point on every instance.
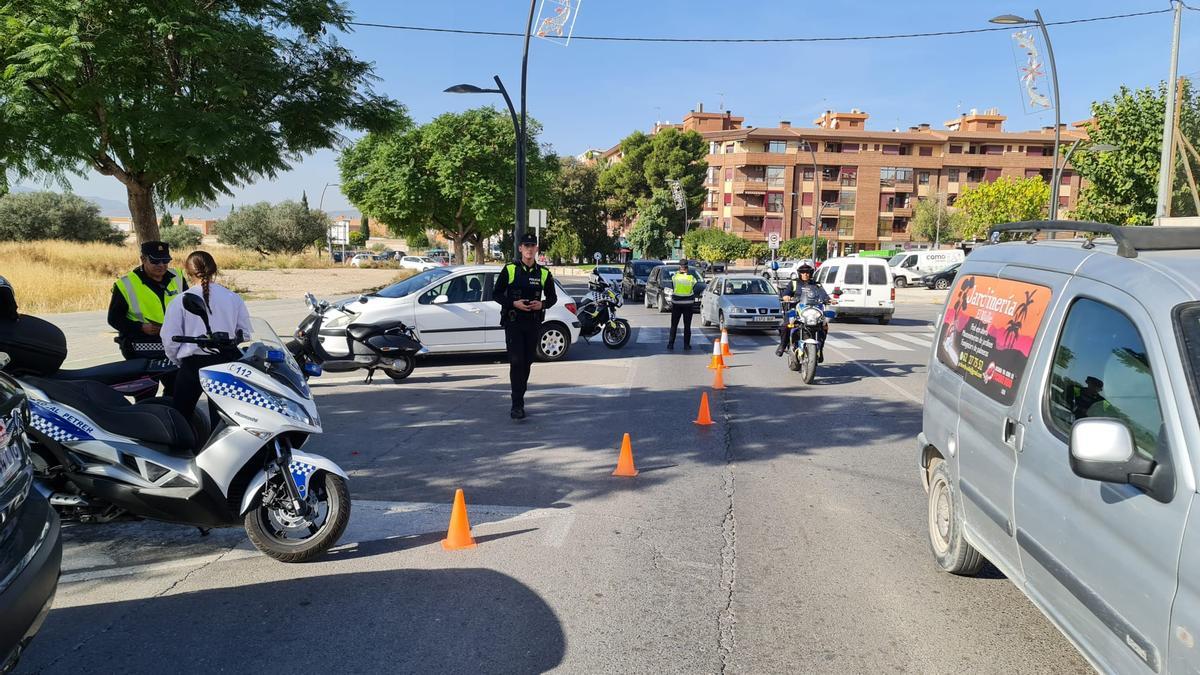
(99, 455)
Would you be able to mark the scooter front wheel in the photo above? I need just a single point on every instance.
(290, 537)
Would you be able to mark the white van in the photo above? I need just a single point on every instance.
(910, 266)
(859, 286)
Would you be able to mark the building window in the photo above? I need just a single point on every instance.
(951, 198)
(956, 149)
(806, 199)
(993, 149)
(974, 175)
(712, 198)
(1064, 201)
(727, 224)
(714, 175)
(1008, 148)
(773, 225)
(899, 225)
(891, 149)
(845, 226)
(714, 147)
(707, 221)
(776, 146)
(729, 148)
(1048, 151)
(952, 175)
(849, 147)
(904, 175)
(887, 176)
(774, 202)
(1065, 178)
(885, 226)
(991, 125)
(925, 151)
(846, 199)
(775, 176)
(991, 174)
(729, 173)
(922, 178)
(728, 199)
(830, 172)
(808, 173)
(848, 176)
(833, 146)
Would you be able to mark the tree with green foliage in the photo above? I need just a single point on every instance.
(34, 216)
(647, 163)
(758, 252)
(651, 236)
(715, 245)
(179, 101)
(364, 227)
(578, 208)
(934, 221)
(1122, 185)
(454, 175)
(1004, 200)
(165, 221)
(181, 221)
(356, 239)
(285, 227)
(802, 247)
(304, 199)
(181, 237)
(701, 236)
(566, 247)
(417, 240)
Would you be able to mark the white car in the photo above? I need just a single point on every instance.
(358, 260)
(452, 312)
(419, 263)
(609, 274)
(787, 269)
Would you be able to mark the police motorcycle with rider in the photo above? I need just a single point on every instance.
(806, 325)
(597, 314)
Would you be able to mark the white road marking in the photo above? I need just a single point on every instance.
(915, 339)
(651, 334)
(838, 343)
(369, 521)
(878, 342)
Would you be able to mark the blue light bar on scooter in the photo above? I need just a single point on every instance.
(275, 356)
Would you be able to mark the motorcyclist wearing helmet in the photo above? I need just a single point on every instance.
(803, 291)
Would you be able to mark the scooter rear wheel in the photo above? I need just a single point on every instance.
(268, 526)
(404, 367)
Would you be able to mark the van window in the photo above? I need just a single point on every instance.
(832, 276)
(854, 274)
(988, 331)
(910, 261)
(1101, 369)
(876, 275)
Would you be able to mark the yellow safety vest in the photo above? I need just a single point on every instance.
(685, 284)
(143, 302)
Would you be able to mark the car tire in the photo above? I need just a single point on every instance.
(901, 282)
(885, 319)
(941, 284)
(950, 549)
(553, 343)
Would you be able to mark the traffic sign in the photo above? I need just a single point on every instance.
(773, 240)
(596, 256)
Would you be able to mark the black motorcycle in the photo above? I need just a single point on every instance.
(390, 346)
(598, 314)
(805, 324)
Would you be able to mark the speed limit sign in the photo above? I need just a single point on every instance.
(773, 240)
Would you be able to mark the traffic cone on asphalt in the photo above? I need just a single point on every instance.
(718, 380)
(725, 343)
(458, 536)
(625, 461)
(717, 362)
(704, 419)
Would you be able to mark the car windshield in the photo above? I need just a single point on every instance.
(428, 260)
(897, 259)
(411, 284)
(1188, 320)
(642, 269)
(607, 270)
(748, 287)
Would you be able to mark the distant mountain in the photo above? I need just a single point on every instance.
(116, 208)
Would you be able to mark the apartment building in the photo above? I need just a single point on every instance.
(858, 186)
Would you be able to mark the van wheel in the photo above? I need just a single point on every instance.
(885, 319)
(901, 282)
(950, 550)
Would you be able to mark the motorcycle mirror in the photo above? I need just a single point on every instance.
(362, 298)
(195, 304)
(310, 300)
(441, 299)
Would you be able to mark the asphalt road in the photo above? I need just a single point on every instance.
(788, 537)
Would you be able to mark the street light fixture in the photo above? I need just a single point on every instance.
(321, 208)
(1014, 20)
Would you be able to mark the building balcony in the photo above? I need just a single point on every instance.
(831, 209)
(904, 186)
(903, 211)
(749, 211)
(749, 186)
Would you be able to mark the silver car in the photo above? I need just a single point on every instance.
(741, 301)
(1060, 437)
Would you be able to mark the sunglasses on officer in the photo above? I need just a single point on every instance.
(154, 260)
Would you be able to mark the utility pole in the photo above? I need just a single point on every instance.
(937, 232)
(1164, 170)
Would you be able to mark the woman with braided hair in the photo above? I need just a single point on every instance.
(227, 313)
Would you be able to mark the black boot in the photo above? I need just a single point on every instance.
(779, 350)
(670, 345)
(517, 413)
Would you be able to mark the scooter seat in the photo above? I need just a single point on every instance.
(362, 331)
(115, 414)
(116, 372)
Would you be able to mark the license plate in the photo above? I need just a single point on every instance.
(852, 291)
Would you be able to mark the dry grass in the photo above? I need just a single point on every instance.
(60, 276)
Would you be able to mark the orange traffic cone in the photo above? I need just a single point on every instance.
(725, 343)
(717, 362)
(704, 419)
(625, 461)
(458, 536)
(718, 380)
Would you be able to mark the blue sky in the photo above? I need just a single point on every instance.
(591, 94)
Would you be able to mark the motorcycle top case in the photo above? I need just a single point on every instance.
(36, 346)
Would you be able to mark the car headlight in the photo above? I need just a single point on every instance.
(341, 320)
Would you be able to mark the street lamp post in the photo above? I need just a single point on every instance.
(816, 197)
(519, 126)
(1013, 20)
(321, 208)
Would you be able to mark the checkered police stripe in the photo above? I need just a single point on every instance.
(51, 429)
(220, 384)
(301, 472)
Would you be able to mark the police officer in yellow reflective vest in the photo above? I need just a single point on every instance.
(139, 302)
(525, 290)
(683, 299)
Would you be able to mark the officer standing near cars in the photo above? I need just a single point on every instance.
(524, 290)
(139, 301)
(683, 297)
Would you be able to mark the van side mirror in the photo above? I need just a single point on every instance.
(1102, 449)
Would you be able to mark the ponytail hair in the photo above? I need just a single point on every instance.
(201, 265)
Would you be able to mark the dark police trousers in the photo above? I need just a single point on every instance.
(187, 384)
(685, 311)
(521, 339)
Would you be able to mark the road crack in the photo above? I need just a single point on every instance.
(727, 618)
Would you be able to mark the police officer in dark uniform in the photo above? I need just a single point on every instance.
(524, 290)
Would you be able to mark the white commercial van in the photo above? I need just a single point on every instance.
(909, 267)
(859, 286)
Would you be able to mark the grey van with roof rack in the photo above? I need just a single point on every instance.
(1061, 439)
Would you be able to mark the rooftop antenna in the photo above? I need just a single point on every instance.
(722, 95)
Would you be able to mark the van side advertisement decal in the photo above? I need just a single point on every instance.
(988, 330)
